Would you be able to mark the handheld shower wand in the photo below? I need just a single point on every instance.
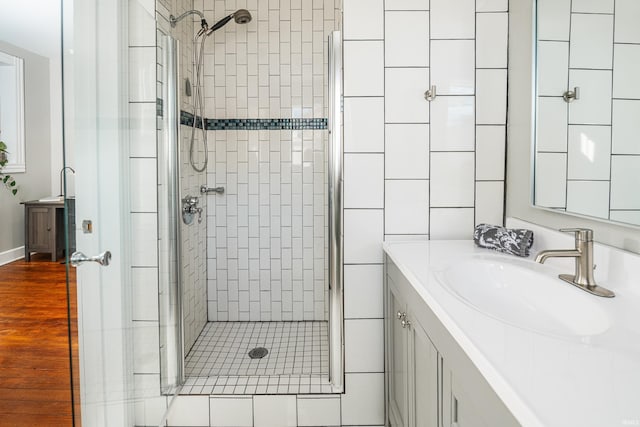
(241, 16)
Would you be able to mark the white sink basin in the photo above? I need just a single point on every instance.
(51, 199)
(526, 295)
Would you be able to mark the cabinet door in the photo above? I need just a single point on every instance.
(458, 408)
(424, 378)
(40, 229)
(398, 362)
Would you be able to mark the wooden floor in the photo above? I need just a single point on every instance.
(35, 387)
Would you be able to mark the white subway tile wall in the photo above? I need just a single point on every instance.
(592, 6)
(267, 235)
(194, 242)
(594, 107)
(364, 125)
(553, 119)
(275, 411)
(554, 18)
(627, 30)
(581, 145)
(149, 404)
(274, 68)
(553, 67)
(452, 66)
(148, 21)
(194, 236)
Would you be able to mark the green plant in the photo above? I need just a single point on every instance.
(7, 180)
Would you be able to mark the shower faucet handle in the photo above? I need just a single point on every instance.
(206, 190)
(190, 201)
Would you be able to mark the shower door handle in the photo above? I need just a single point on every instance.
(78, 258)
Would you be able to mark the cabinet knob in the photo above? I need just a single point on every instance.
(405, 322)
(400, 315)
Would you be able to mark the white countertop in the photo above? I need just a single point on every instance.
(544, 380)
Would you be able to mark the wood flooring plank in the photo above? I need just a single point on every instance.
(35, 386)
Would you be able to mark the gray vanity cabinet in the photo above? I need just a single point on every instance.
(424, 381)
(397, 361)
(431, 382)
(412, 366)
(458, 407)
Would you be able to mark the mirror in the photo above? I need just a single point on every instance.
(12, 111)
(587, 112)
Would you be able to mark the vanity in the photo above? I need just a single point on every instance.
(432, 381)
(478, 338)
(44, 227)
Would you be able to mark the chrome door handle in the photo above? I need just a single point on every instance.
(78, 258)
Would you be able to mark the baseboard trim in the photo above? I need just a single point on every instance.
(11, 255)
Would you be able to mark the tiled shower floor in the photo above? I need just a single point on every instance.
(297, 362)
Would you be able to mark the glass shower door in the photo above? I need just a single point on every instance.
(96, 123)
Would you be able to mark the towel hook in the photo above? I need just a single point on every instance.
(571, 95)
(430, 95)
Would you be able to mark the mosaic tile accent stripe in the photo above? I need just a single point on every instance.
(266, 124)
(159, 107)
(186, 119)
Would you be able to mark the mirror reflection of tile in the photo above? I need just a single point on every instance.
(587, 150)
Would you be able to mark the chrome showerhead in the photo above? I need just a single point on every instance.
(242, 16)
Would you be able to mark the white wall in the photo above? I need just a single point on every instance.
(35, 25)
(519, 148)
(38, 34)
(35, 182)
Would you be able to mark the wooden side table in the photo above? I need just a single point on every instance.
(44, 227)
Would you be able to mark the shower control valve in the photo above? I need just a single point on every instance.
(190, 208)
(190, 201)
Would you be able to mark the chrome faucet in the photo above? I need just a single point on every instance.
(583, 253)
(62, 175)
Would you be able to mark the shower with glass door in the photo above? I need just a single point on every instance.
(249, 199)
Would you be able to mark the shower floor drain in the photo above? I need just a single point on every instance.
(258, 353)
